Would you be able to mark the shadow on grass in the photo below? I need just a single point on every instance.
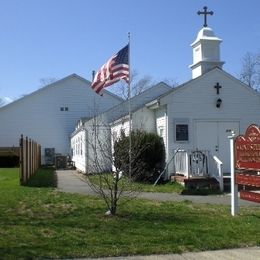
(44, 177)
(200, 191)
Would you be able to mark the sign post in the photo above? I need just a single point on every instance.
(234, 188)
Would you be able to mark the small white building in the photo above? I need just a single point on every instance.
(91, 138)
(49, 114)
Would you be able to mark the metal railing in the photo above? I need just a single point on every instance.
(217, 172)
(166, 166)
(181, 163)
(198, 163)
(192, 163)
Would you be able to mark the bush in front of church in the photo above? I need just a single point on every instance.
(147, 156)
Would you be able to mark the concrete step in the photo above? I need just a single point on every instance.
(196, 182)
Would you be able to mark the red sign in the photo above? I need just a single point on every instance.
(248, 195)
(248, 179)
(247, 149)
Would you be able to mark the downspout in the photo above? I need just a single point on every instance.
(86, 151)
(166, 140)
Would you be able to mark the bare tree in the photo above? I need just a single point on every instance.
(46, 81)
(171, 82)
(138, 85)
(250, 72)
(110, 184)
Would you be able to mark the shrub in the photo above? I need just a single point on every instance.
(147, 155)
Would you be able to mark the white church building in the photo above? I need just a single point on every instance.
(196, 117)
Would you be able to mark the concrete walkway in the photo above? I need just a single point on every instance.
(71, 181)
(251, 253)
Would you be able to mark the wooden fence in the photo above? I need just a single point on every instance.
(30, 158)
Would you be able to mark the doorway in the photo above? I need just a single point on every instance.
(213, 136)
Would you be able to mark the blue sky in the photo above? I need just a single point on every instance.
(55, 38)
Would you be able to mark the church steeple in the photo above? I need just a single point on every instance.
(206, 49)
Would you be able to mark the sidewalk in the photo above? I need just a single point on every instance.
(251, 253)
(70, 181)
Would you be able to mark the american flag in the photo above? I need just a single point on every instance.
(116, 68)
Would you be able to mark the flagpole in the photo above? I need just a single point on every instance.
(95, 121)
(129, 110)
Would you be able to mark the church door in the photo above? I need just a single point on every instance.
(213, 136)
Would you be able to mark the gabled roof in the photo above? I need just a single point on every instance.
(136, 102)
(156, 100)
(88, 83)
(186, 84)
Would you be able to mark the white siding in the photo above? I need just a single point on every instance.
(117, 128)
(144, 119)
(39, 117)
(79, 150)
(116, 119)
(99, 154)
(196, 100)
(96, 140)
(161, 124)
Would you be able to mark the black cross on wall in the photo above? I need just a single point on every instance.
(217, 87)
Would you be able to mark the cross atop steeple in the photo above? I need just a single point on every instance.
(205, 13)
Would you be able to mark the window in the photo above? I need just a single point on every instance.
(181, 128)
(64, 109)
(182, 132)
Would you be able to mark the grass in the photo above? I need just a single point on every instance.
(201, 191)
(45, 223)
(44, 177)
(167, 187)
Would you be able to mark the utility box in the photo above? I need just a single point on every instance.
(60, 162)
(49, 156)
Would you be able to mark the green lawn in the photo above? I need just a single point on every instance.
(165, 187)
(43, 178)
(45, 223)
